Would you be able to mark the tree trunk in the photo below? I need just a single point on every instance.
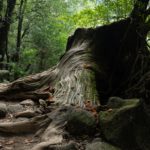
(20, 23)
(111, 60)
(92, 69)
(98, 63)
(4, 28)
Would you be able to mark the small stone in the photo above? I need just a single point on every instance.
(15, 108)
(3, 110)
(97, 140)
(27, 102)
(42, 103)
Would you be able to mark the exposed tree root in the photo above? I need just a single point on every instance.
(30, 126)
(74, 87)
(27, 114)
(49, 146)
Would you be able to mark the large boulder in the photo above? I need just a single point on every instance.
(126, 124)
(15, 108)
(81, 122)
(75, 121)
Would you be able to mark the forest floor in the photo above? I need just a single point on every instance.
(17, 142)
(13, 112)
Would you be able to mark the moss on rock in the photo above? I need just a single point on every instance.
(81, 122)
(125, 124)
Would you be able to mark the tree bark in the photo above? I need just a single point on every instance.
(20, 23)
(4, 28)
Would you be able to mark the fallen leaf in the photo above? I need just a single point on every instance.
(91, 108)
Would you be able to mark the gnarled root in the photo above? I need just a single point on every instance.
(48, 146)
(30, 126)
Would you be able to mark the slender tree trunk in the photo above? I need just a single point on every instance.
(4, 28)
(20, 23)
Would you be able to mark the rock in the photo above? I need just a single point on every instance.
(101, 146)
(14, 108)
(68, 146)
(3, 110)
(126, 125)
(42, 103)
(97, 140)
(81, 122)
(75, 120)
(27, 102)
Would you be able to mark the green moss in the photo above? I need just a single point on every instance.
(81, 122)
(117, 125)
(101, 146)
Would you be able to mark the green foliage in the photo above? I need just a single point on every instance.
(47, 25)
(103, 12)
(28, 56)
(16, 71)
